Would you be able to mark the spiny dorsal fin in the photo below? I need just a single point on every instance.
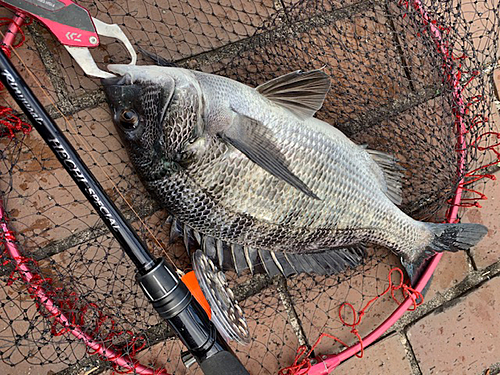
(392, 174)
(303, 93)
(253, 139)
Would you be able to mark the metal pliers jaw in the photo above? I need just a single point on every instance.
(84, 58)
(73, 26)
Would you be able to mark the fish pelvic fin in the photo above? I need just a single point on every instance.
(302, 93)
(447, 237)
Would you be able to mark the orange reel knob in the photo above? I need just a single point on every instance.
(194, 287)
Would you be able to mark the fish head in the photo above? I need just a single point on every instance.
(157, 113)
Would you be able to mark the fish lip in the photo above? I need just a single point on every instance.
(115, 88)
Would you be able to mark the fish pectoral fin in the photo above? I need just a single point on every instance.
(302, 93)
(253, 139)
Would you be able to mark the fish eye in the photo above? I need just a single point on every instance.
(129, 119)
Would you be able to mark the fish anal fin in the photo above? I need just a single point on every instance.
(238, 258)
(241, 258)
(254, 140)
(302, 93)
(270, 266)
(325, 262)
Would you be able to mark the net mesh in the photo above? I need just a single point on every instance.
(397, 85)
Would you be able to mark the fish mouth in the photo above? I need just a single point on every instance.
(117, 89)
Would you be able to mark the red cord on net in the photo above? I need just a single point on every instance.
(69, 302)
(10, 123)
(302, 362)
(453, 75)
(475, 175)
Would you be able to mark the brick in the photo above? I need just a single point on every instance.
(486, 252)
(272, 347)
(210, 17)
(494, 119)
(452, 268)
(35, 352)
(324, 5)
(385, 357)
(32, 201)
(423, 141)
(156, 233)
(422, 62)
(459, 337)
(479, 17)
(365, 65)
(101, 268)
(45, 204)
(496, 80)
(273, 342)
(99, 272)
(27, 61)
(166, 355)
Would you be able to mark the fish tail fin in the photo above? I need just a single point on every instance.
(447, 237)
(455, 237)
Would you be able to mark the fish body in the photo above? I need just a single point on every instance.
(258, 179)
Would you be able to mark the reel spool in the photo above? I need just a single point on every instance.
(226, 313)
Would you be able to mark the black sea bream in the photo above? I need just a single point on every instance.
(258, 181)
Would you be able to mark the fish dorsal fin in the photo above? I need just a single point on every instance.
(161, 61)
(391, 176)
(254, 140)
(302, 93)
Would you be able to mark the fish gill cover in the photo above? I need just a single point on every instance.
(408, 78)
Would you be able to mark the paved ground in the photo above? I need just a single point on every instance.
(454, 332)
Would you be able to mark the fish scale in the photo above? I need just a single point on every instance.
(253, 172)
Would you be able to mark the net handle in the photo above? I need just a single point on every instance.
(330, 362)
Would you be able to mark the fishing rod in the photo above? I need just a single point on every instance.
(157, 278)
